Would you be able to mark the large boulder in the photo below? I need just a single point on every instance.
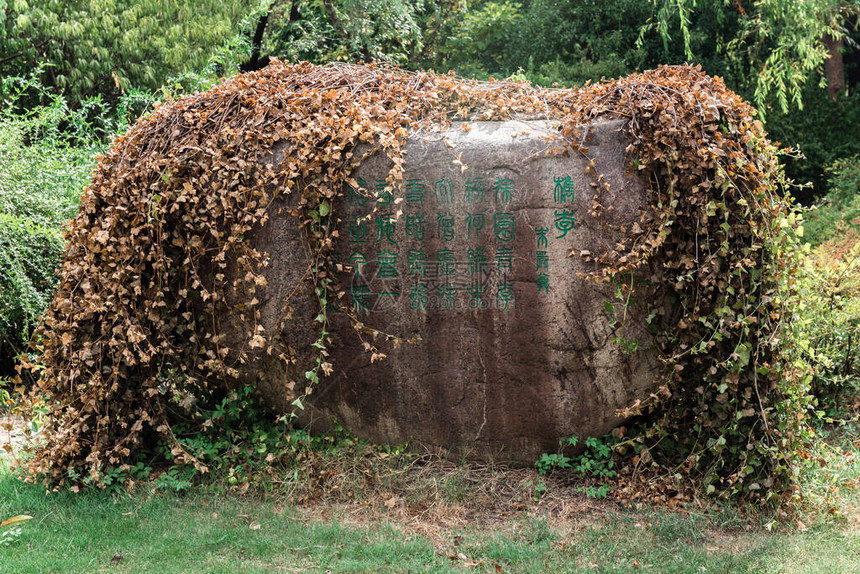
(203, 250)
(502, 344)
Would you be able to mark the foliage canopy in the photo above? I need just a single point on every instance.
(89, 47)
(777, 44)
(352, 30)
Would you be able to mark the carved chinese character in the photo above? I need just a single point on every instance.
(564, 222)
(541, 236)
(503, 225)
(563, 189)
(444, 192)
(474, 222)
(505, 258)
(360, 297)
(447, 295)
(477, 260)
(543, 282)
(415, 226)
(478, 290)
(415, 191)
(445, 265)
(504, 188)
(383, 193)
(417, 262)
(474, 190)
(506, 296)
(358, 195)
(418, 297)
(385, 225)
(542, 260)
(445, 226)
(387, 261)
(358, 261)
(358, 230)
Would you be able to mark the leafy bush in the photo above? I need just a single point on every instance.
(827, 320)
(226, 442)
(47, 154)
(235, 438)
(840, 208)
(46, 158)
(108, 46)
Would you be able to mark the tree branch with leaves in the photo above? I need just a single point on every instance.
(781, 44)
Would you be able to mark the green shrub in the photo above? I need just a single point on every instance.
(47, 153)
(595, 463)
(42, 172)
(828, 320)
(840, 208)
(824, 131)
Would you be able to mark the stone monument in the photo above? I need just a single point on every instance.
(476, 262)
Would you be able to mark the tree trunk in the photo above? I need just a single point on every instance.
(834, 67)
(255, 62)
(341, 30)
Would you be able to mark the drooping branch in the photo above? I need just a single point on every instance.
(22, 52)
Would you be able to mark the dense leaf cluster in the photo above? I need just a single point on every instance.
(46, 159)
(721, 232)
(88, 47)
(156, 310)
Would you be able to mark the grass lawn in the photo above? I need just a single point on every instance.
(216, 532)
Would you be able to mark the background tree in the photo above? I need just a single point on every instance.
(798, 61)
(88, 47)
(548, 41)
(779, 43)
(326, 30)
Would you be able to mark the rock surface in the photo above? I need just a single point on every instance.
(513, 348)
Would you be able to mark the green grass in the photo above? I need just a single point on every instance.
(209, 532)
(196, 533)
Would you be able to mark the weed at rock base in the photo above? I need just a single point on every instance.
(595, 463)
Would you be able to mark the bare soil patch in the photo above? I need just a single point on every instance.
(13, 434)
